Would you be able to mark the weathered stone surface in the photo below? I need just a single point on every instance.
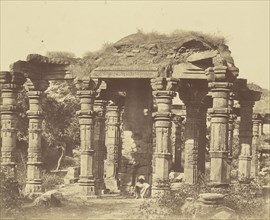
(153, 52)
(135, 51)
(72, 175)
(10, 85)
(224, 213)
(208, 54)
(130, 55)
(87, 95)
(212, 196)
(112, 143)
(151, 46)
(50, 198)
(176, 176)
(35, 94)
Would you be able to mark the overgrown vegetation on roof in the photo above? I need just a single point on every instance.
(149, 49)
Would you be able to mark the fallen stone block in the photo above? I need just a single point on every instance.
(50, 198)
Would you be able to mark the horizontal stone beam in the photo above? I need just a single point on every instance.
(42, 71)
(127, 72)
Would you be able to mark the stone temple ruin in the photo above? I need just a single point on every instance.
(128, 123)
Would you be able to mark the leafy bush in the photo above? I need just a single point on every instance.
(10, 197)
(245, 199)
(51, 180)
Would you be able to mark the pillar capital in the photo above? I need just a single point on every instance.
(164, 84)
(86, 83)
(12, 80)
(221, 73)
(246, 96)
(193, 93)
(36, 86)
(100, 107)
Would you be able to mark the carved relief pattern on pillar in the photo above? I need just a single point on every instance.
(255, 153)
(192, 93)
(248, 157)
(86, 93)
(163, 92)
(35, 94)
(99, 140)
(11, 83)
(220, 80)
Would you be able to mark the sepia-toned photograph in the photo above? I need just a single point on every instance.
(133, 110)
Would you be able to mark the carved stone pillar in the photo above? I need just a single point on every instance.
(202, 139)
(261, 129)
(112, 143)
(220, 78)
(99, 141)
(247, 100)
(34, 164)
(176, 143)
(192, 93)
(87, 96)
(231, 119)
(11, 83)
(254, 150)
(164, 91)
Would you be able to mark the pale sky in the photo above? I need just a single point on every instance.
(81, 26)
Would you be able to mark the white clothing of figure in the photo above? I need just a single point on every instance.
(142, 188)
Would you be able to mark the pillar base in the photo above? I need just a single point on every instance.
(254, 166)
(219, 168)
(34, 187)
(88, 188)
(244, 169)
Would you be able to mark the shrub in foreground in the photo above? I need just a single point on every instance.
(10, 197)
(246, 199)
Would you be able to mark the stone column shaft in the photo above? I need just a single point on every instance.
(163, 93)
(86, 121)
(245, 139)
(99, 141)
(162, 118)
(34, 164)
(191, 144)
(176, 143)
(219, 133)
(231, 119)
(193, 93)
(202, 139)
(112, 142)
(10, 85)
(254, 150)
(9, 117)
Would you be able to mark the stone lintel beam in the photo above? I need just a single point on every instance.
(38, 67)
(11, 84)
(128, 72)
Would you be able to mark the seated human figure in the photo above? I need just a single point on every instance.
(142, 188)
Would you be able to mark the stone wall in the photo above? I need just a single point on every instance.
(136, 133)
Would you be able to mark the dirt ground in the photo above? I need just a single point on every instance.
(91, 209)
(75, 208)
